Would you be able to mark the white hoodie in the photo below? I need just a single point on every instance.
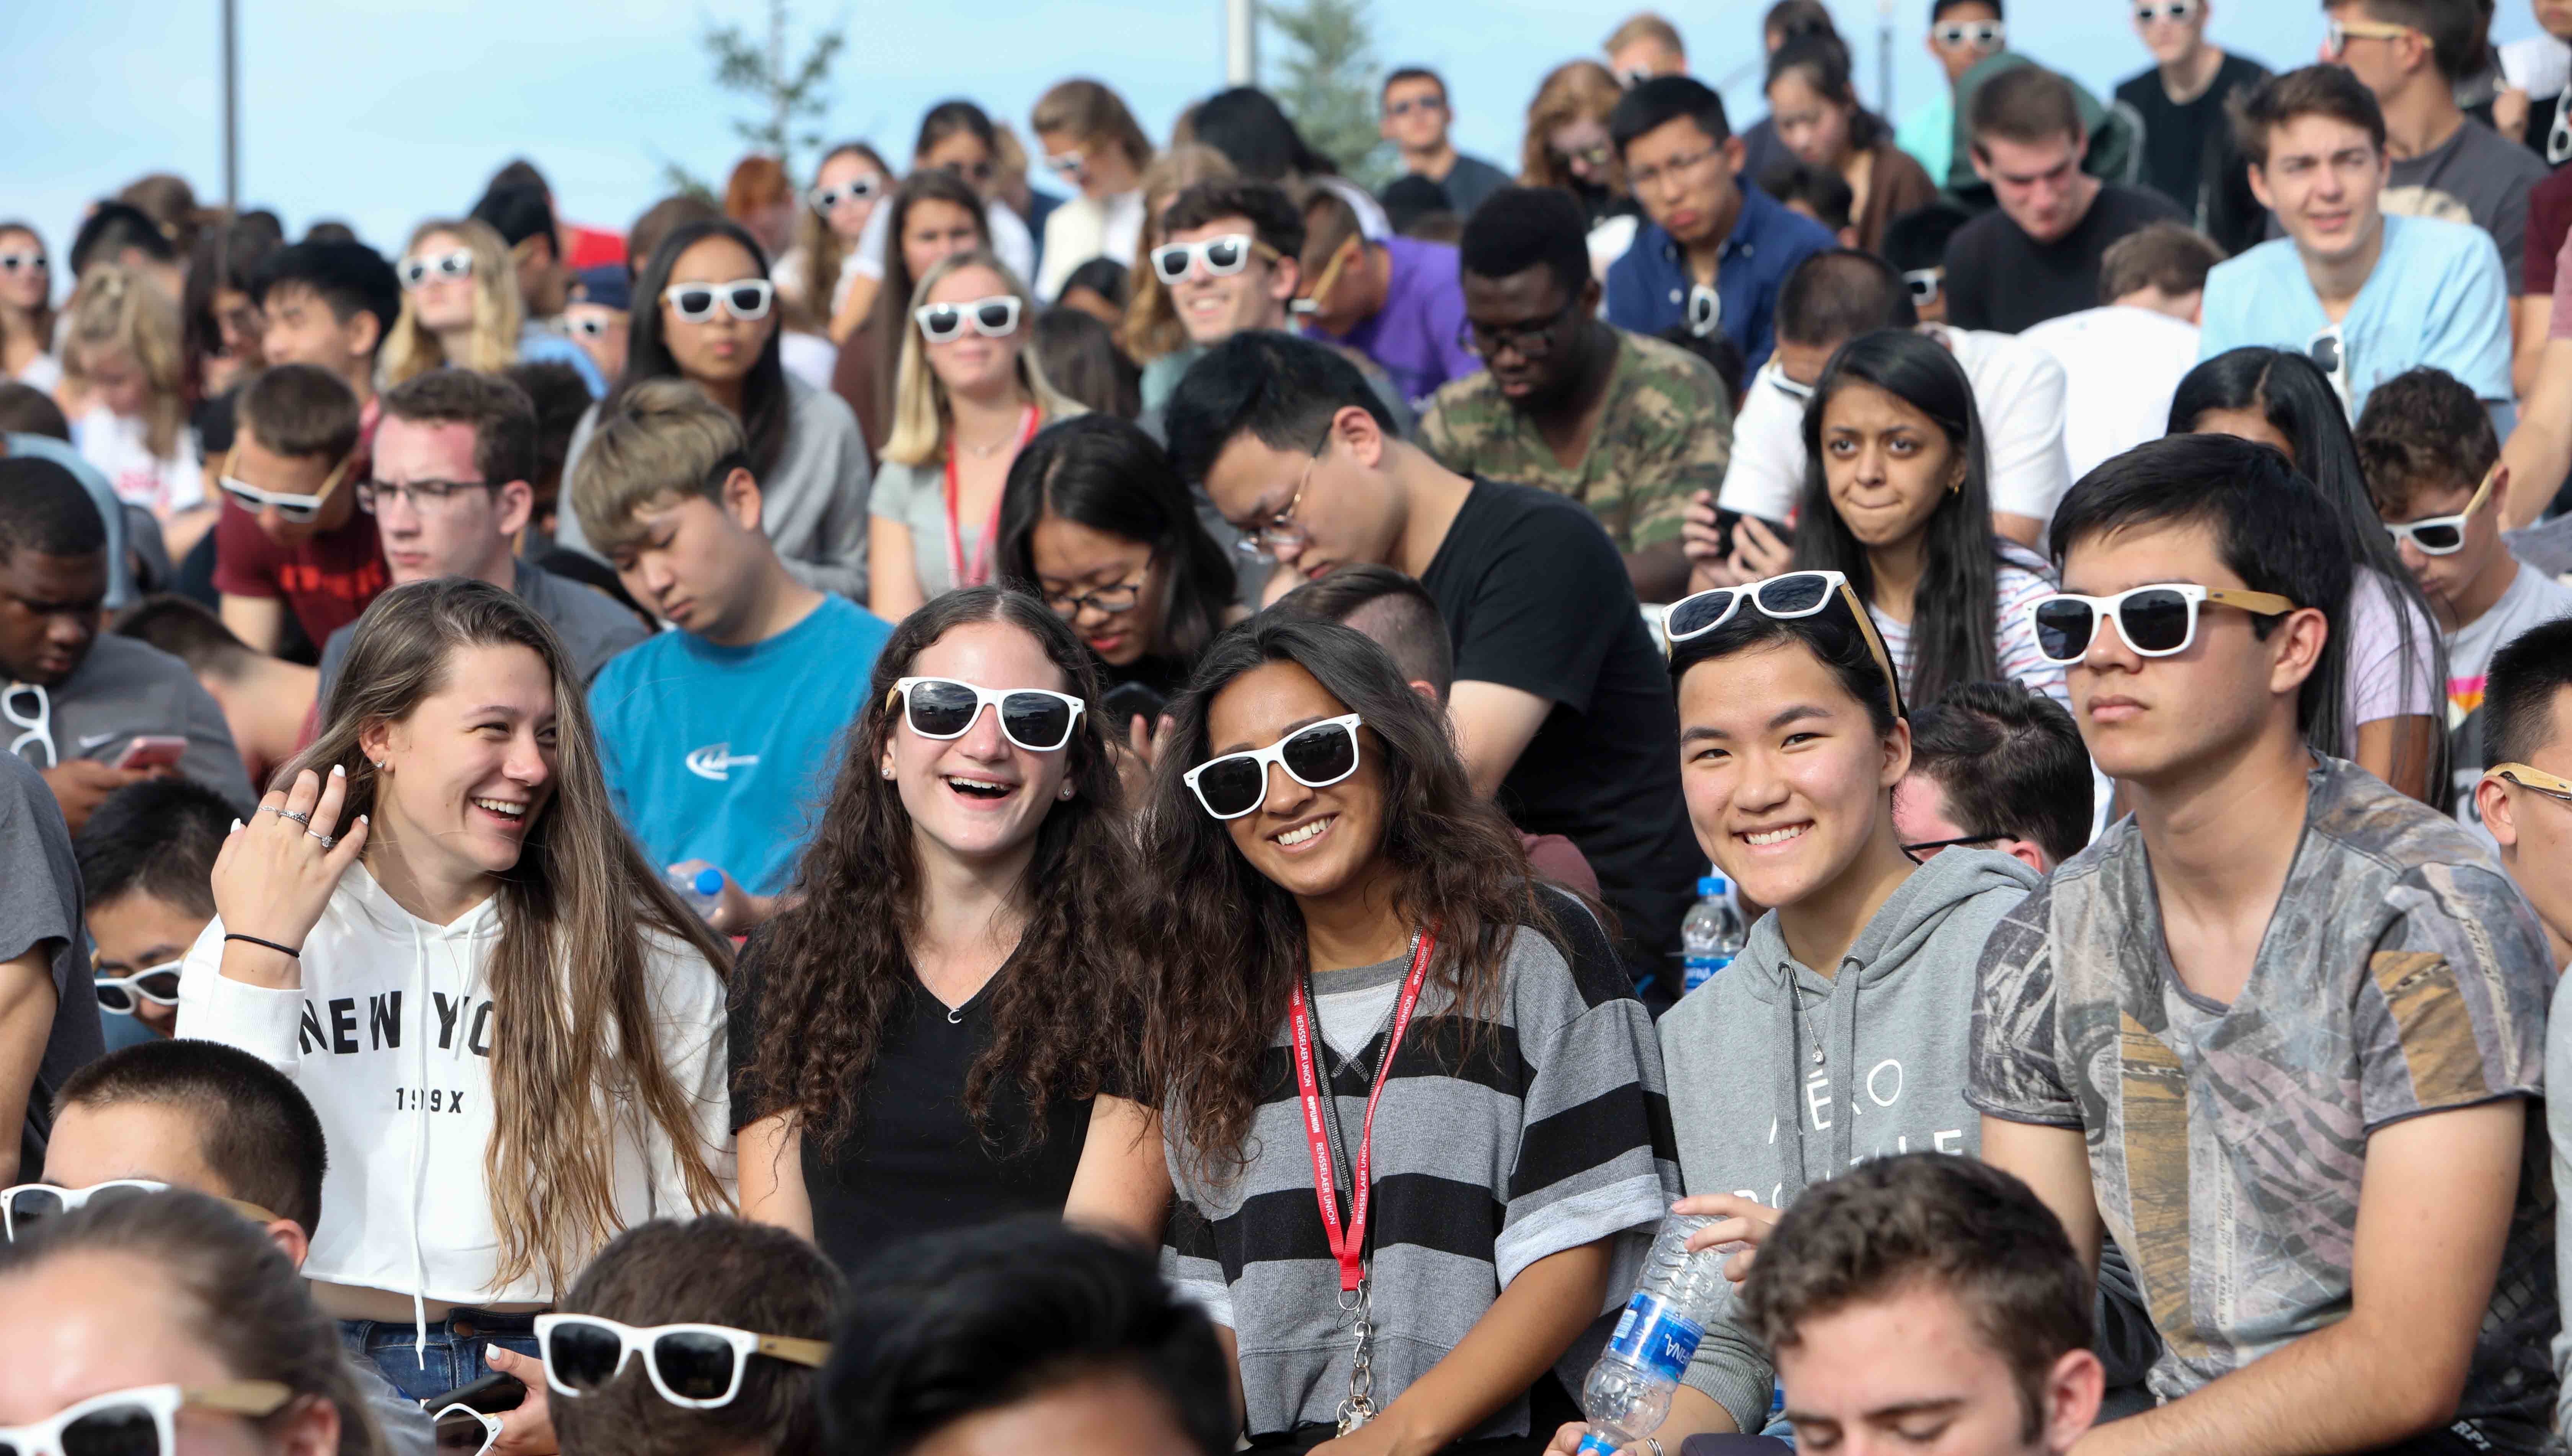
(391, 1037)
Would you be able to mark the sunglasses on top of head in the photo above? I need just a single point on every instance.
(1316, 755)
(2444, 535)
(2156, 621)
(1036, 719)
(1982, 35)
(157, 984)
(993, 317)
(858, 189)
(29, 1207)
(1219, 256)
(1783, 598)
(695, 1366)
(745, 298)
(141, 1421)
(295, 508)
(457, 262)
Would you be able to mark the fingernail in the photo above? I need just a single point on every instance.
(236, 826)
(362, 819)
(339, 769)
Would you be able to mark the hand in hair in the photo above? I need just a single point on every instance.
(275, 873)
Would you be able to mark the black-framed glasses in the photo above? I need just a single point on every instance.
(1105, 601)
(1532, 340)
(2444, 535)
(1316, 755)
(1785, 597)
(1036, 719)
(417, 495)
(1928, 849)
(2159, 620)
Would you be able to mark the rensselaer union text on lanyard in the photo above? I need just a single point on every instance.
(980, 569)
(1348, 1245)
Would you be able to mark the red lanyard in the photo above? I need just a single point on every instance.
(1349, 1247)
(981, 571)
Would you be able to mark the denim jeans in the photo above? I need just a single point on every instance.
(455, 1347)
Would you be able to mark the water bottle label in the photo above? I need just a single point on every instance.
(1594, 1444)
(1701, 968)
(1656, 1336)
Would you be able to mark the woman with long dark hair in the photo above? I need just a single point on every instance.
(2387, 713)
(1896, 500)
(537, 1067)
(1818, 118)
(705, 311)
(1336, 904)
(933, 1032)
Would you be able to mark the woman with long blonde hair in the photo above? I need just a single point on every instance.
(125, 366)
(968, 395)
(1151, 326)
(509, 1027)
(461, 302)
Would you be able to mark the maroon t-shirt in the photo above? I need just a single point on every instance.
(327, 580)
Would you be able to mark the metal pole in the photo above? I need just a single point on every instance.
(1884, 59)
(1242, 42)
(232, 110)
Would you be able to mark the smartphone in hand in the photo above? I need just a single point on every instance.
(151, 750)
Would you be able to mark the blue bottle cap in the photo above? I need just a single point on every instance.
(709, 880)
(1709, 886)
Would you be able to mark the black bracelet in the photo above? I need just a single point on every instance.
(288, 950)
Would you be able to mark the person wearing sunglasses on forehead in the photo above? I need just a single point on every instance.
(146, 858)
(2436, 476)
(2525, 796)
(1414, 116)
(970, 394)
(2190, 154)
(1339, 900)
(2268, 916)
(932, 216)
(939, 1029)
(27, 309)
(294, 537)
(1091, 142)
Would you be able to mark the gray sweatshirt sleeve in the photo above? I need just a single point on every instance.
(1731, 1367)
(814, 503)
(567, 532)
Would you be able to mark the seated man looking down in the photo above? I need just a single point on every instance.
(1995, 766)
(147, 864)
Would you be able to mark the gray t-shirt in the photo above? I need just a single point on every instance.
(2478, 177)
(592, 624)
(2532, 600)
(916, 496)
(126, 690)
(40, 905)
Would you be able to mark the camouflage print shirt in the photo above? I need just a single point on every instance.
(2401, 974)
(1664, 434)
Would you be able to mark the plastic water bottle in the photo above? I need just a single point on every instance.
(1712, 934)
(702, 891)
(1627, 1394)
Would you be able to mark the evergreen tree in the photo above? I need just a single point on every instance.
(1330, 81)
(793, 94)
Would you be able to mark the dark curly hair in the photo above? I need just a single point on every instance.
(833, 965)
(1233, 942)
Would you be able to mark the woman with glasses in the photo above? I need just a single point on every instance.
(526, 1056)
(169, 1325)
(850, 181)
(1814, 106)
(27, 309)
(1895, 500)
(705, 311)
(934, 215)
(1566, 143)
(968, 397)
(2388, 714)
(1334, 904)
(1093, 143)
(125, 381)
(933, 1032)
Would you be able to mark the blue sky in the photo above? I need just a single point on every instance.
(383, 114)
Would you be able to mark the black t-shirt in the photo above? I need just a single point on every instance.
(2000, 279)
(914, 1160)
(1537, 599)
(2189, 155)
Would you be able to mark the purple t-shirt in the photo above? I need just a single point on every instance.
(1416, 336)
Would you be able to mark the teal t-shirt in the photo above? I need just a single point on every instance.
(727, 754)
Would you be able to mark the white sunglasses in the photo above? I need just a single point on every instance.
(2444, 535)
(2159, 620)
(1219, 256)
(695, 1366)
(157, 984)
(1066, 164)
(23, 262)
(1704, 310)
(462, 1428)
(824, 199)
(28, 1207)
(588, 326)
(297, 508)
(943, 708)
(38, 727)
(993, 317)
(456, 263)
(107, 1425)
(1316, 755)
(1982, 35)
(745, 298)
(2177, 10)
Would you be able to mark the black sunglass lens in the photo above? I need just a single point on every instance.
(2155, 621)
(1170, 262)
(1321, 753)
(697, 1366)
(1698, 612)
(1233, 785)
(942, 709)
(115, 999)
(942, 321)
(1788, 596)
(2326, 355)
(993, 316)
(1035, 720)
(1223, 255)
(116, 1430)
(2437, 538)
(2063, 629)
(748, 301)
(582, 1356)
(459, 1431)
(29, 1207)
(160, 983)
(694, 301)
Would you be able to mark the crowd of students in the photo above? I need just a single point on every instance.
(833, 824)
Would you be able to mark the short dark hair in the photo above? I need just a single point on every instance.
(1276, 388)
(1273, 217)
(113, 228)
(256, 1130)
(518, 211)
(2273, 528)
(559, 397)
(1519, 228)
(26, 410)
(2009, 760)
(939, 1328)
(1412, 199)
(1399, 616)
(1820, 189)
(713, 1269)
(2024, 104)
(348, 277)
(1663, 100)
(1791, 19)
(2423, 429)
(190, 632)
(1411, 73)
(1918, 239)
(502, 417)
(2527, 675)
(1835, 297)
(1105, 276)
(2323, 90)
(2456, 30)
(1891, 1224)
(159, 838)
(44, 509)
(1719, 351)
(302, 412)
(1939, 8)
(2172, 257)
(1105, 473)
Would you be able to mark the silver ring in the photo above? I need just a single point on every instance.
(269, 809)
(303, 819)
(327, 840)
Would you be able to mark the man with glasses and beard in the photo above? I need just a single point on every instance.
(2280, 1030)
(1626, 425)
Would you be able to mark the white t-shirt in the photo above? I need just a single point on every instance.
(2121, 366)
(115, 445)
(2018, 387)
(808, 357)
(2532, 600)
(1010, 240)
(44, 372)
(2022, 577)
(1083, 229)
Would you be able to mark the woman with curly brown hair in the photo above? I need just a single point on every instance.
(935, 1032)
(1566, 144)
(1337, 905)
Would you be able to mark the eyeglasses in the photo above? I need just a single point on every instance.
(297, 508)
(416, 495)
(1598, 154)
(1219, 256)
(36, 725)
(1316, 756)
(1107, 600)
(1785, 598)
(29, 1207)
(139, 1421)
(745, 298)
(1067, 165)
(1310, 300)
(1704, 310)
(2534, 780)
(1925, 283)
(1035, 719)
(1928, 849)
(825, 199)
(1795, 389)
(453, 264)
(1280, 531)
(1412, 103)
(465, 1429)
(157, 984)
(2156, 621)
(1532, 340)
(2338, 33)
(2177, 12)
(1639, 178)
(1982, 35)
(2444, 535)
(23, 262)
(993, 317)
(698, 1366)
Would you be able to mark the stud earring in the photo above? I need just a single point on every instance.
(1064, 793)
(888, 773)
